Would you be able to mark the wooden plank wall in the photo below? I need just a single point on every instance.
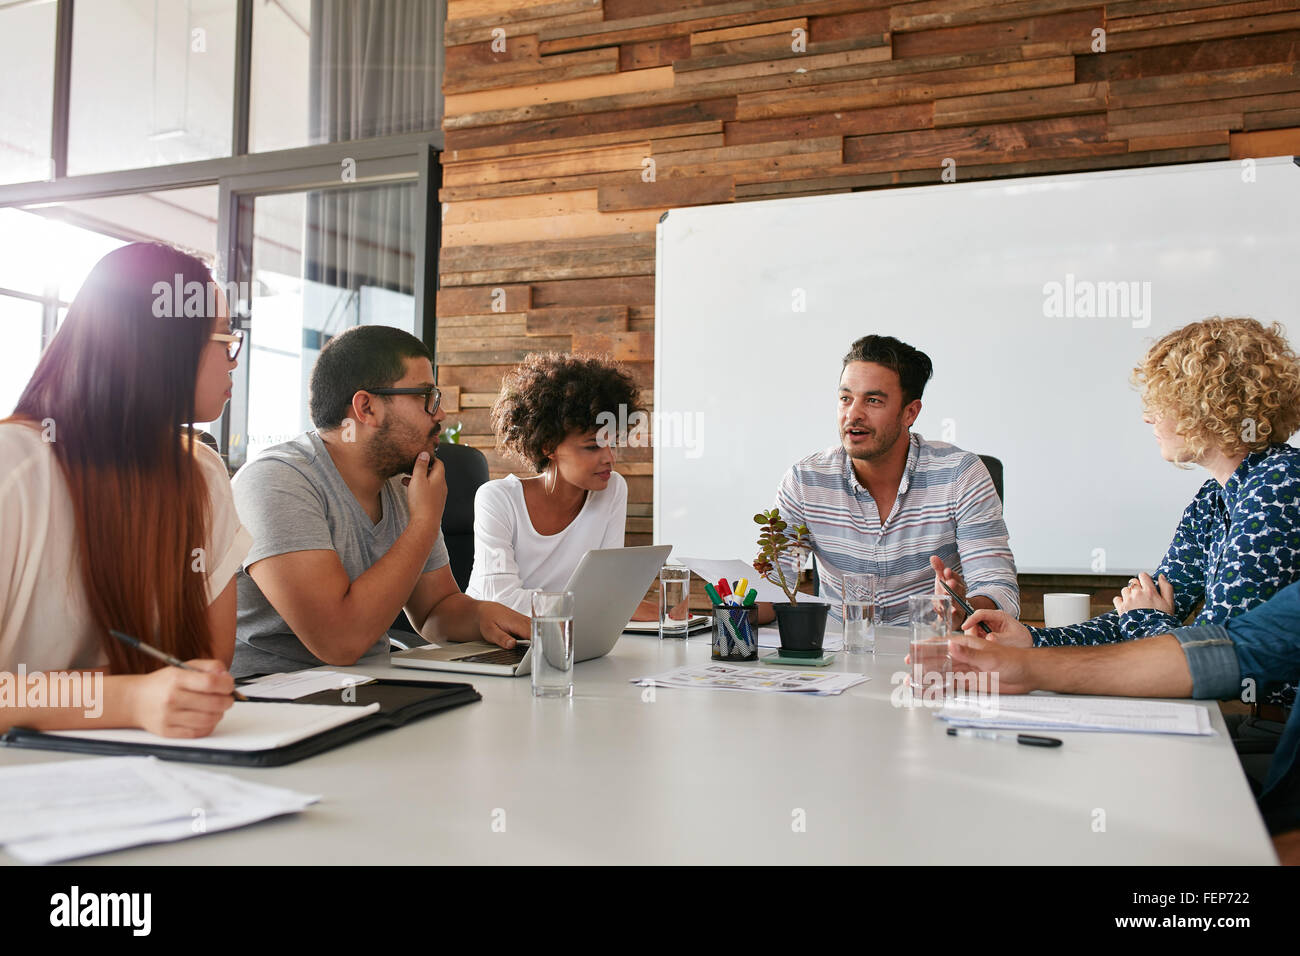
(572, 125)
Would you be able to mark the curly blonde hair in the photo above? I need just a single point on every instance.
(1230, 384)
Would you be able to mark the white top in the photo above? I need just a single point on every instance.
(511, 560)
(45, 622)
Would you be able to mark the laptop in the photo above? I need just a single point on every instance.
(607, 586)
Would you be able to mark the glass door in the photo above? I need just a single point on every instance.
(307, 265)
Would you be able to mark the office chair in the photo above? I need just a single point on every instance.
(467, 470)
(994, 465)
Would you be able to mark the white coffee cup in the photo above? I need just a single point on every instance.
(1062, 610)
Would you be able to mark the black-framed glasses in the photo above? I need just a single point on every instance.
(234, 341)
(432, 396)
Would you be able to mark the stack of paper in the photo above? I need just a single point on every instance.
(1052, 712)
(298, 684)
(60, 811)
(693, 623)
(719, 676)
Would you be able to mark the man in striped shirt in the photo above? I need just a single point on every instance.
(887, 502)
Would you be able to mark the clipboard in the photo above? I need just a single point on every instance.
(400, 701)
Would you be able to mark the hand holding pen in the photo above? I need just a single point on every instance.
(944, 574)
(187, 699)
(166, 658)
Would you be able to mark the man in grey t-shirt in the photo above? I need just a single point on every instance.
(340, 546)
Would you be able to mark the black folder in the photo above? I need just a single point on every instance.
(399, 701)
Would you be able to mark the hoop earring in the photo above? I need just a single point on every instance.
(551, 473)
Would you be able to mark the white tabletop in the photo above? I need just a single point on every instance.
(707, 776)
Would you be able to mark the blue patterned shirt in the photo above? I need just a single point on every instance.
(1236, 546)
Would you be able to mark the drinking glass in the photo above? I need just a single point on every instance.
(858, 611)
(674, 595)
(931, 622)
(552, 650)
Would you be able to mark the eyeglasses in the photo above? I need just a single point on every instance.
(432, 397)
(234, 342)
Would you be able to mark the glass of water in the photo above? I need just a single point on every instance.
(858, 609)
(552, 650)
(674, 600)
(931, 620)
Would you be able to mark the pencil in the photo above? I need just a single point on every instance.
(141, 646)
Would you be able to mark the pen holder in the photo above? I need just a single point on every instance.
(733, 636)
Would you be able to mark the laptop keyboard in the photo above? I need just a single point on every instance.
(506, 655)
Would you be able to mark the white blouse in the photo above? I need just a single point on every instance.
(511, 560)
(45, 621)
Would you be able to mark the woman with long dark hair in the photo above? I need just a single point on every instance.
(113, 516)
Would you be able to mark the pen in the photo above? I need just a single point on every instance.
(1029, 740)
(751, 597)
(713, 595)
(141, 646)
(742, 586)
(723, 587)
(964, 606)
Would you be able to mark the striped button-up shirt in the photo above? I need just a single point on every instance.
(946, 505)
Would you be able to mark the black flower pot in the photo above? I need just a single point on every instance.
(802, 628)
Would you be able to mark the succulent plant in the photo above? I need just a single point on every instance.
(776, 539)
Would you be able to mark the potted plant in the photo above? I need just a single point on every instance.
(802, 626)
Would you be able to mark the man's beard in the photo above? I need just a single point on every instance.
(885, 441)
(386, 455)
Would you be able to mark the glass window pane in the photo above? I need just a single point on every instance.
(323, 74)
(49, 250)
(322, 262)
(152, 83)
(186, 218)
(27, 93)
(20, 327)
(281, 51)
(41, 255)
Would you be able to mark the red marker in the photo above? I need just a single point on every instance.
(724, 589)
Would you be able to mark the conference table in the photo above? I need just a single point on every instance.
(624, 774)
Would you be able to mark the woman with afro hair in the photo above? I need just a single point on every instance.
(553, 415)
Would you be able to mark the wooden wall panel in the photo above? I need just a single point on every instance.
(572, 125)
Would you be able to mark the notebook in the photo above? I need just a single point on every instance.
(247, 727)
(269, 733)
(696, 622)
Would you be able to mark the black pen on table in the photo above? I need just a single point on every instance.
(961, 603)
(166, 658)
(1029, 740)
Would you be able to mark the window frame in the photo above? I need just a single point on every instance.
(242, 176)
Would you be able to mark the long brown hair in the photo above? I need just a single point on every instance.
(116, 385)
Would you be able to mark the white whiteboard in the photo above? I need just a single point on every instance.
(959, 271)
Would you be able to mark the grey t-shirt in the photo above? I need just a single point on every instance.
(292, 498)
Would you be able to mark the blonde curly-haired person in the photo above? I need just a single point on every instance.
(1223, 394)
